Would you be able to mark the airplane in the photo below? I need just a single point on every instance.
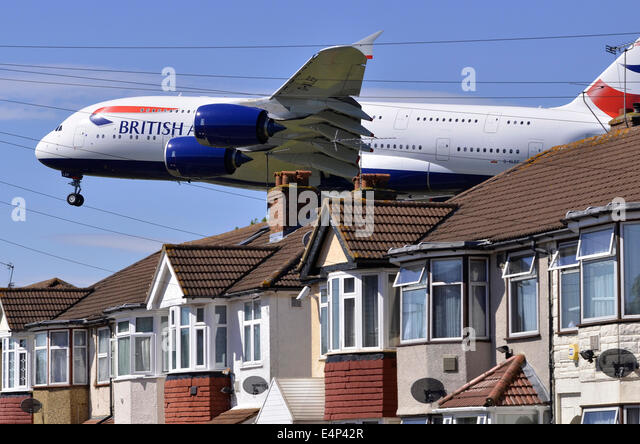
(314, 122)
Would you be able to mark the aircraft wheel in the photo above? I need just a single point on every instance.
(75, 199)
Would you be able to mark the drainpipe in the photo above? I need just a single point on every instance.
(551, 350)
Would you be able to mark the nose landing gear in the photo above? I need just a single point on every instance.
(76, 199)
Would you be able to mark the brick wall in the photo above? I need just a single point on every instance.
(361, 386)
(180, 406)
(10, 412)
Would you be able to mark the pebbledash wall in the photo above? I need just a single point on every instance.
(580, 384)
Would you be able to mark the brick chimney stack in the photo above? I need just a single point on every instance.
(291, 204)
(376, 183)
(633, 117)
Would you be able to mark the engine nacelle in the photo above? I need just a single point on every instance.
(226, 125)
(185, 158)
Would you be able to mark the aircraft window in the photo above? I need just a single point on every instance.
(379, 117)
(130, 136)
(484, 150)
(414, 147)
(521, 123)
(456, 120)
(462, 120)
(437, 119)
(517, 151)
(510, 151)
(418, 119)
(504, 151)
(508, 122)
(394, 146)
(419, 147)
(154, 137)
(181, 110)
(400, 146)
(372, 118)
(491, 150)
(424, 119)
(458, 148)
(465, 149)
(119, 136)
(450, 120)
(148, 137)
(388, 146)
(476, 120)
(528, 123)
(97, 136)
(430, 119)
(136, 137)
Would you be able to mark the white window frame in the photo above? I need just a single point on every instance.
(334, 300)
(422, 286)
(132, 334)
(611, 251)
(519, 254)
(321, 305)
(67, 361)
(37, 348)
(343, 297)
(556, 256)
(623, 290)
(460, 283)
(486, 286)
(601, 409)
(519, 278)
(200, 326)
(80, 349)
(481, 418)
(561, 273)
(103, 355)
(251, 323)
(410, 266)
(360, 311)
(216, 327)
(616, 286)
(17, 350)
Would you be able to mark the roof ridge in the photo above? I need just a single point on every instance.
(510, 375)
(122, 270)
(220, 247)
(249, 270)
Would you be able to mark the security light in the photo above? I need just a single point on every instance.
(506, 350)
(588, 355)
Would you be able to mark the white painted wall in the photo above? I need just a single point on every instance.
(275, 410)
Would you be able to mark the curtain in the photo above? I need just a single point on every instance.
(184, 348)
(414, 314)
(335, 314)
(349, 322)
(41, 366)
(79, 365)
(124, 356)
(143, 354)
(631, 269)
(478, 309)
(370, 311)
(447, 311)
(256, 342)
(599, 288)
(221, 346)
(247, 343)
(524, 310)
(59, 365)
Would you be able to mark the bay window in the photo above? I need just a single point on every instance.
(599, 274)
(14, 364)
(59, 357)
(370, 319)
(631, 269)
(414, 313)
(335, 313)
(523, 294)
(251, 328)
(220, 312)
(324, 321)
(348, 313)
(446, 298)
(80, 357)
(165, 346)
(104, 336)
(132, 348)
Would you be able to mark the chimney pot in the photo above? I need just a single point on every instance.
(636, 107)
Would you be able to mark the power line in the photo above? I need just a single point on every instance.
(283, 46)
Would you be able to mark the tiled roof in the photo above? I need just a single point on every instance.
(234, 416)
(51, 283)
(204, 271)
(26, 305)
(504, 385)
(534, 196)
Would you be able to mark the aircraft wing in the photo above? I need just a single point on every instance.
(322, 119)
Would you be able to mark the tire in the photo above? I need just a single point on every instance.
(72, 199)
(79, 200)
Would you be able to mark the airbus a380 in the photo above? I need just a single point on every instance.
(314, 122)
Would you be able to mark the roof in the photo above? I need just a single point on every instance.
(51, 283)
(395, 224)
(234, 416)
(304, 397)
(26, 305)
(507, 384)
(535, 196)
(207, 271)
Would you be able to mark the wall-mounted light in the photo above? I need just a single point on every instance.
(588, 355)
(506, 350)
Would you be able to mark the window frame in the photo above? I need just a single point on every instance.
(325, 305)
(561, 273)
(556, 256)
(601, 409)
(251, 323)
(487, 287)
(407, 267)
(623, 287)
(625, 412)
(216, 326)
(612, 250)
(17, 350)
(533, 275)
(67, 361)
(430, 297)
(352, 296)
(132, 334)
(37, 348)
(102, 355)
(519, 254)
(616, 290)
(359, 312)
(84, 349)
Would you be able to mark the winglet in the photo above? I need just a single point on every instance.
(366, 44)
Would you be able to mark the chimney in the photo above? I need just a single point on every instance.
(375, 183)
(291, 204)
(632, 117)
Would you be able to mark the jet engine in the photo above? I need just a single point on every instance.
(225, 125)
(185, 158)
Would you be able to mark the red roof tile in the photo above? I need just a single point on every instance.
(234, 416)
(504, 385)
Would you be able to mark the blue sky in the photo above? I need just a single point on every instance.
(246, 23)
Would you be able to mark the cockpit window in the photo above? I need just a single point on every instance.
(59, 128)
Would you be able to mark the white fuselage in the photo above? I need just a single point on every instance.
(427, 148)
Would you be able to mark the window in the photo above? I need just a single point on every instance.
(133, 346)
(104, 335)
(565, 260)
(185, 336)
(595, 244)
(370, 319)
(41, 358)
(446, 298)
(600, 416)
(565, 257)
(14, 364)
(414, 313)
(324, 321)
(220, 312)
(80, 357)
(251, 326)
(59, 357)
(632, 415)
(631, 269)
(409, 275)
(519, 265)
(478, 296)
(348, 313)
(200, 329)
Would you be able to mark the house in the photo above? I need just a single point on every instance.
(355, 309)
(531, 263)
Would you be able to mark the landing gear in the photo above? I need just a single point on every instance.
(76, 199)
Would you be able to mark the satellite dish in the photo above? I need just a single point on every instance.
(254, 385)
(30, 405)
(427, 390)
(617, 363)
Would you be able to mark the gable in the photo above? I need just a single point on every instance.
(4, 324)
(165, 288)
(331, 251)
(275, 409)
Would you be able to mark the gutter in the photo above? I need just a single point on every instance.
(124, 307)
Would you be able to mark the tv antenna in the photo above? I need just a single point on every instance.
(9, 267)
(615, 50)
